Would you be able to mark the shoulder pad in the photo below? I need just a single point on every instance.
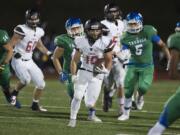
(150, 29)
(40, 31)
(19, 30)
(59, 40)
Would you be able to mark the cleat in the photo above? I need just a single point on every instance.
(72, 123)
(18, 104)
(140, 103)
(13, 100)
(36, 107)
(94, 118)
(123, 117)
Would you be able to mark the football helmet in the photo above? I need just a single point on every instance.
(177, 29)
(134, 22)
(112, 12)
(93, 29)
(74, 27)
(32, 18)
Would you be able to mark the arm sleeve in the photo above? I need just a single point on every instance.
(155, 38)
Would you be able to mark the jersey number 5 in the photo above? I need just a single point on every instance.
(139, 49)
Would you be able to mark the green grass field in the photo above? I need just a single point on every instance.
(54, 122)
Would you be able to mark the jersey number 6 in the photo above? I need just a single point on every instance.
(30, 46)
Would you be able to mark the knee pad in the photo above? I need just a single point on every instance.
(41, 85)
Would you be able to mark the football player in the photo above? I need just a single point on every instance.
(171, 109)
(116, 27)
(25, 39)
(87, 81)
(173, 44)
(6, 52)
(65, 46)
(139, 40)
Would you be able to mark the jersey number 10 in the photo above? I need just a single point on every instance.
(91, 59)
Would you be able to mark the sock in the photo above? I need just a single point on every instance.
(127, 106)
(92, 112)
(75, 105)
(121, 104)
(128, 102)
(7, 95)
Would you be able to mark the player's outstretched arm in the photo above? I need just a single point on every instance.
(58, 52)
(74, 61)
(108, 60)
(42, 48)
(9, 55)
(166, 51)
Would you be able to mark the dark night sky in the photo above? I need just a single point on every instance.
(163, 14)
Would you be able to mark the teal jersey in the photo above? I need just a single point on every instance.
(174, 41)
(140, 45)
(66, 42)
(4, 38)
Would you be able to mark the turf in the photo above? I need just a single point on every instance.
(54, 122)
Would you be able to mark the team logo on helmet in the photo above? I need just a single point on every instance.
(134, 21)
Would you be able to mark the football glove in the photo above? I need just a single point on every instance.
(100, 70)
(63, 76)
(2, 67)
(50, 54)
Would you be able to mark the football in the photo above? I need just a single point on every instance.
(99, 62)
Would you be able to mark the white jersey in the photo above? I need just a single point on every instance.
(30, 38)
(115, 31)
(91, 53)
